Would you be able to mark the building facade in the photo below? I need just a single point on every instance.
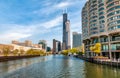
(26, 45)
(77, 39)
(66, 33)
(44, 44)
(56, 46)
(101, 23)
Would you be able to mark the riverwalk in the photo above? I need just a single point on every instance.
(103, 62)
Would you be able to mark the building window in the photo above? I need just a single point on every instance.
(101, 4)
(102, 30)
(93, 28)
(114, 18)
(105, 47)
(92, 33)
(113, 28)
(101, 9)
(116, 7)
(104, 39)
(110, 5)
(102, 21)
(115, 46)
(102, 26)
(112, 13)
(101, 17)
(109, 1)
(101, 13)
(114, 22)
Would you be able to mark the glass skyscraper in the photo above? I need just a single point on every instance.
(77, 39)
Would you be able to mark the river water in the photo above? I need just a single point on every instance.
(55, 66)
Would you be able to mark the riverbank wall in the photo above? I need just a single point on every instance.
(8, 58)
(109, 63)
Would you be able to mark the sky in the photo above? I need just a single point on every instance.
(37, 19)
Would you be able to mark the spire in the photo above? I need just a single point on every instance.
(65, 10)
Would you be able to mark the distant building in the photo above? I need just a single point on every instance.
(77, 39)
(48, 49)
(26, 45)
(59, 46)
(56, 46)
(66, 33)
(43, 43)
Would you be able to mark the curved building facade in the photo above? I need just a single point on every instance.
(101, 23)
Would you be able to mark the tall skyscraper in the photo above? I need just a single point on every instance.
(77, 39)
(66, 33)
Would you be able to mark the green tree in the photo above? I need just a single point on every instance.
(96, 48)
(6, 51)
(35, 52)
(29, 52)
(15, 52)
(74, 50)
(65, 52)
(22, 51)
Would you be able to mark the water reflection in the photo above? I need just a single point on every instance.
(100, 71)
(57, 66)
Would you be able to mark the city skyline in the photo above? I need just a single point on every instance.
(36, 20)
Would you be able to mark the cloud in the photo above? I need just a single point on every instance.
(52, 23)
(14, 32)
(63, 5)
(18, 32)
(15, 36)
(51, 8)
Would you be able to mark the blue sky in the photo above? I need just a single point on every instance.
(37, 19)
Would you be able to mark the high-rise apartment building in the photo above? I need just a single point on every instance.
(101, 23)
(66, 33)
(77, 39)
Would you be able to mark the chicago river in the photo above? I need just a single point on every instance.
(55, 66)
